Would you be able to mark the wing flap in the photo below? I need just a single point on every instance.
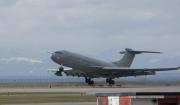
(125, 72)
(140, 69)
(121, 69)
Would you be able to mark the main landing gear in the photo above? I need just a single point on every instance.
(110, 81)
(89, 81)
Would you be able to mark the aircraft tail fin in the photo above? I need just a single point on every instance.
(128, 57)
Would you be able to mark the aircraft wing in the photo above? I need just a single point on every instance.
(137, 69)
(124, 72)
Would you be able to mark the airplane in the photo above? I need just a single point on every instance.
(90, 68)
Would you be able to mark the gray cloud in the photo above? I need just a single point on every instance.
(89, 26)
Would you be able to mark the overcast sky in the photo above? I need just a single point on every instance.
(97, 28)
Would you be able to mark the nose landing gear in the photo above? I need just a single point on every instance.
(110, 81)
(59, 72)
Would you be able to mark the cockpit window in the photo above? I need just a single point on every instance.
(59, 52)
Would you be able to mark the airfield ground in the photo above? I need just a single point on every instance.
(56, 85)
(64, 93)
(71, 85)
(12, 98)
(67, 103)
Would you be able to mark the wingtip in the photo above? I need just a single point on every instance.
(160, 52)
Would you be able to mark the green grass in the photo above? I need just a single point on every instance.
(17, 98)
(38, 85)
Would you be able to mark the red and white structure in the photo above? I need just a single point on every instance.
(139, 98)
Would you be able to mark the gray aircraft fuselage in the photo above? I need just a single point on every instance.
(78, 62)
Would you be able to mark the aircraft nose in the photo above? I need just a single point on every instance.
(53, 56)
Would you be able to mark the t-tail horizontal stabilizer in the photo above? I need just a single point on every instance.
(137, 52)
(128, 57)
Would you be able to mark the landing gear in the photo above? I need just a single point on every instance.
(110, 81)
(59, 73)
(61, 68)
(89, 81)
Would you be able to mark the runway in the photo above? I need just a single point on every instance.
(69, 103)
(89, 90)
